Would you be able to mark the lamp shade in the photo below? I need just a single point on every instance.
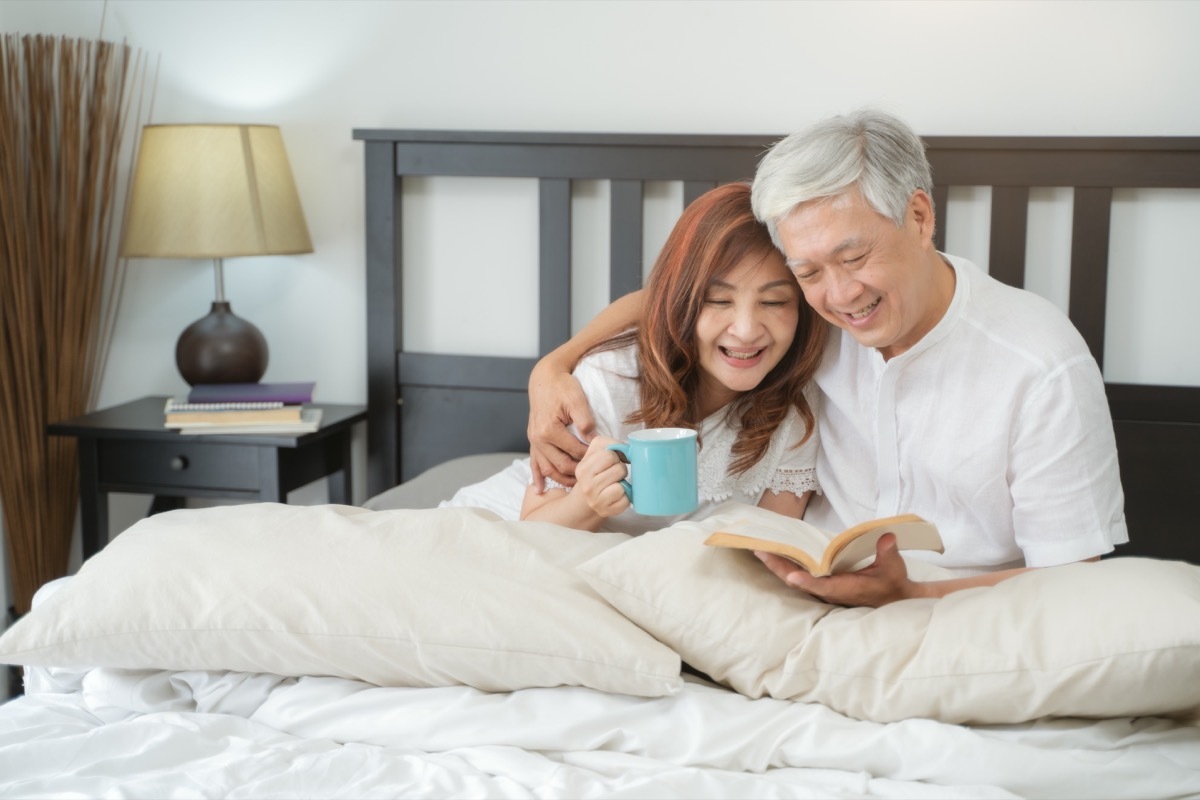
(213, 191)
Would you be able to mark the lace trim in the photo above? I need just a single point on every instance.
(711, 475)
(794, 481)
(718, 485)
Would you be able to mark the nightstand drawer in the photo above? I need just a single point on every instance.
(185, 465)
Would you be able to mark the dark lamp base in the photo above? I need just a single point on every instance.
(221, 348)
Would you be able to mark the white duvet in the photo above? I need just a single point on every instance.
(152, 734)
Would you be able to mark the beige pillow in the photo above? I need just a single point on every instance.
(430, 597)
(1115, 638)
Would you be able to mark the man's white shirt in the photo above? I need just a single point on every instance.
(995, 426)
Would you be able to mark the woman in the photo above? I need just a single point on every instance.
(725, 347)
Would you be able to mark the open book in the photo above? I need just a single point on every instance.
(824, 553)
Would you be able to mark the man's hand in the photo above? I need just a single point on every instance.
(884, 581)
(556, 400)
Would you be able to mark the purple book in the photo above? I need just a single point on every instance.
(252, 392)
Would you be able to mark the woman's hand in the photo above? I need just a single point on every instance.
(598, 478)
(556, 399)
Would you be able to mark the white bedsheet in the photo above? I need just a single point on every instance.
(125, 733)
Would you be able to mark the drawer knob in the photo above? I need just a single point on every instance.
(179, 463)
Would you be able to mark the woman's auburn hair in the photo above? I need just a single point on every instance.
(715, 233)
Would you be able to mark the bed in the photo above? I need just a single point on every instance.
(314, 652)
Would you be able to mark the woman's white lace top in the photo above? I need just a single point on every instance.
(609, 380)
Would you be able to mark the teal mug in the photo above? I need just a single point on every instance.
(662, 471)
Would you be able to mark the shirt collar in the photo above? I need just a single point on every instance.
(962, 290)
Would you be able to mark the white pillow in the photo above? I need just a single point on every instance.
(431, 597)
(441, 481)
(1116, 638)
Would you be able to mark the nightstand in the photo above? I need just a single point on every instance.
(126, 449)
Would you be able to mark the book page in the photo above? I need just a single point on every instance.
(858, 543)
(791, 538)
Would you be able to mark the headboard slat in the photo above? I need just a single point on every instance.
(598, 161)
(554, 263)
(1142, 164)
(1159, 488)
(384, 311)
(484, 422)
(1145, 403)
(626, 232)
(504, 373)
(1010, 214)
(693, 189)
(1090, 225)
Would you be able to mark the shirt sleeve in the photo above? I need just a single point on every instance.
(797, 469)
(1065, 481)
(611, 389)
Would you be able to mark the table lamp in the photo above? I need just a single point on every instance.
(215, 191)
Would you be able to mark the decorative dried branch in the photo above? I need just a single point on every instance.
(65, 108)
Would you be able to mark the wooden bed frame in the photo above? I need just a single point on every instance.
(410, 394)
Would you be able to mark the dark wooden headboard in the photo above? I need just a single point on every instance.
(425, 408)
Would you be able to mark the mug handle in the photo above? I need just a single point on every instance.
(623, 450)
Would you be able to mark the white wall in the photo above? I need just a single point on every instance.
(319, 68)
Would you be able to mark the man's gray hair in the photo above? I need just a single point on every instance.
(869, 149)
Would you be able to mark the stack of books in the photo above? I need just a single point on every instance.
(258, 408)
